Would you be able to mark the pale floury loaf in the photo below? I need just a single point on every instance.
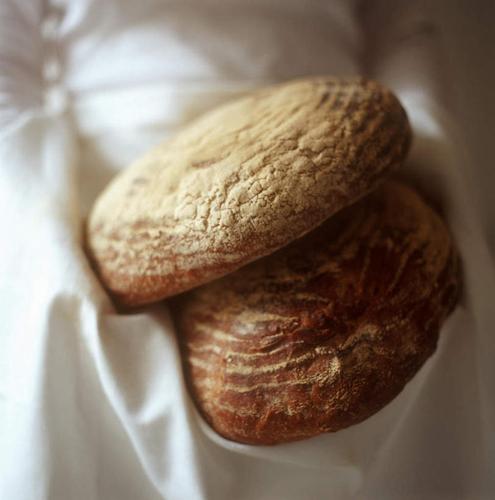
(241, 182)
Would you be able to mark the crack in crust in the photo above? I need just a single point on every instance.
(241, 182)
(325, 332)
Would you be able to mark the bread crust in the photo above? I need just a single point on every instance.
(241, 182)
(323, 333)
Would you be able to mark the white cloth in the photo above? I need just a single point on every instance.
(92, 404)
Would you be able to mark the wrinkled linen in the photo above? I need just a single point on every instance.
(93, 403)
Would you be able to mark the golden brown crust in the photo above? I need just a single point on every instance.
(243, 181)
(325, 332)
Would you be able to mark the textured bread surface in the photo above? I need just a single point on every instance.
(325, 332)
(241, 182)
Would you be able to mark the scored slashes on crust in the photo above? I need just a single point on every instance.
(241, 182)
(325, 332)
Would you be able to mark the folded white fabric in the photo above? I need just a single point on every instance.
(93, 404)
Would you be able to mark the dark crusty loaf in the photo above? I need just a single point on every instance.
(325, 332)
(241, 182)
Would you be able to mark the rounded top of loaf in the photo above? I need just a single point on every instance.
(242, 181)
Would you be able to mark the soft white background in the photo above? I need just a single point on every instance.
(92, 404)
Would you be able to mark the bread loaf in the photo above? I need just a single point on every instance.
(323, 333)
(241, 182)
